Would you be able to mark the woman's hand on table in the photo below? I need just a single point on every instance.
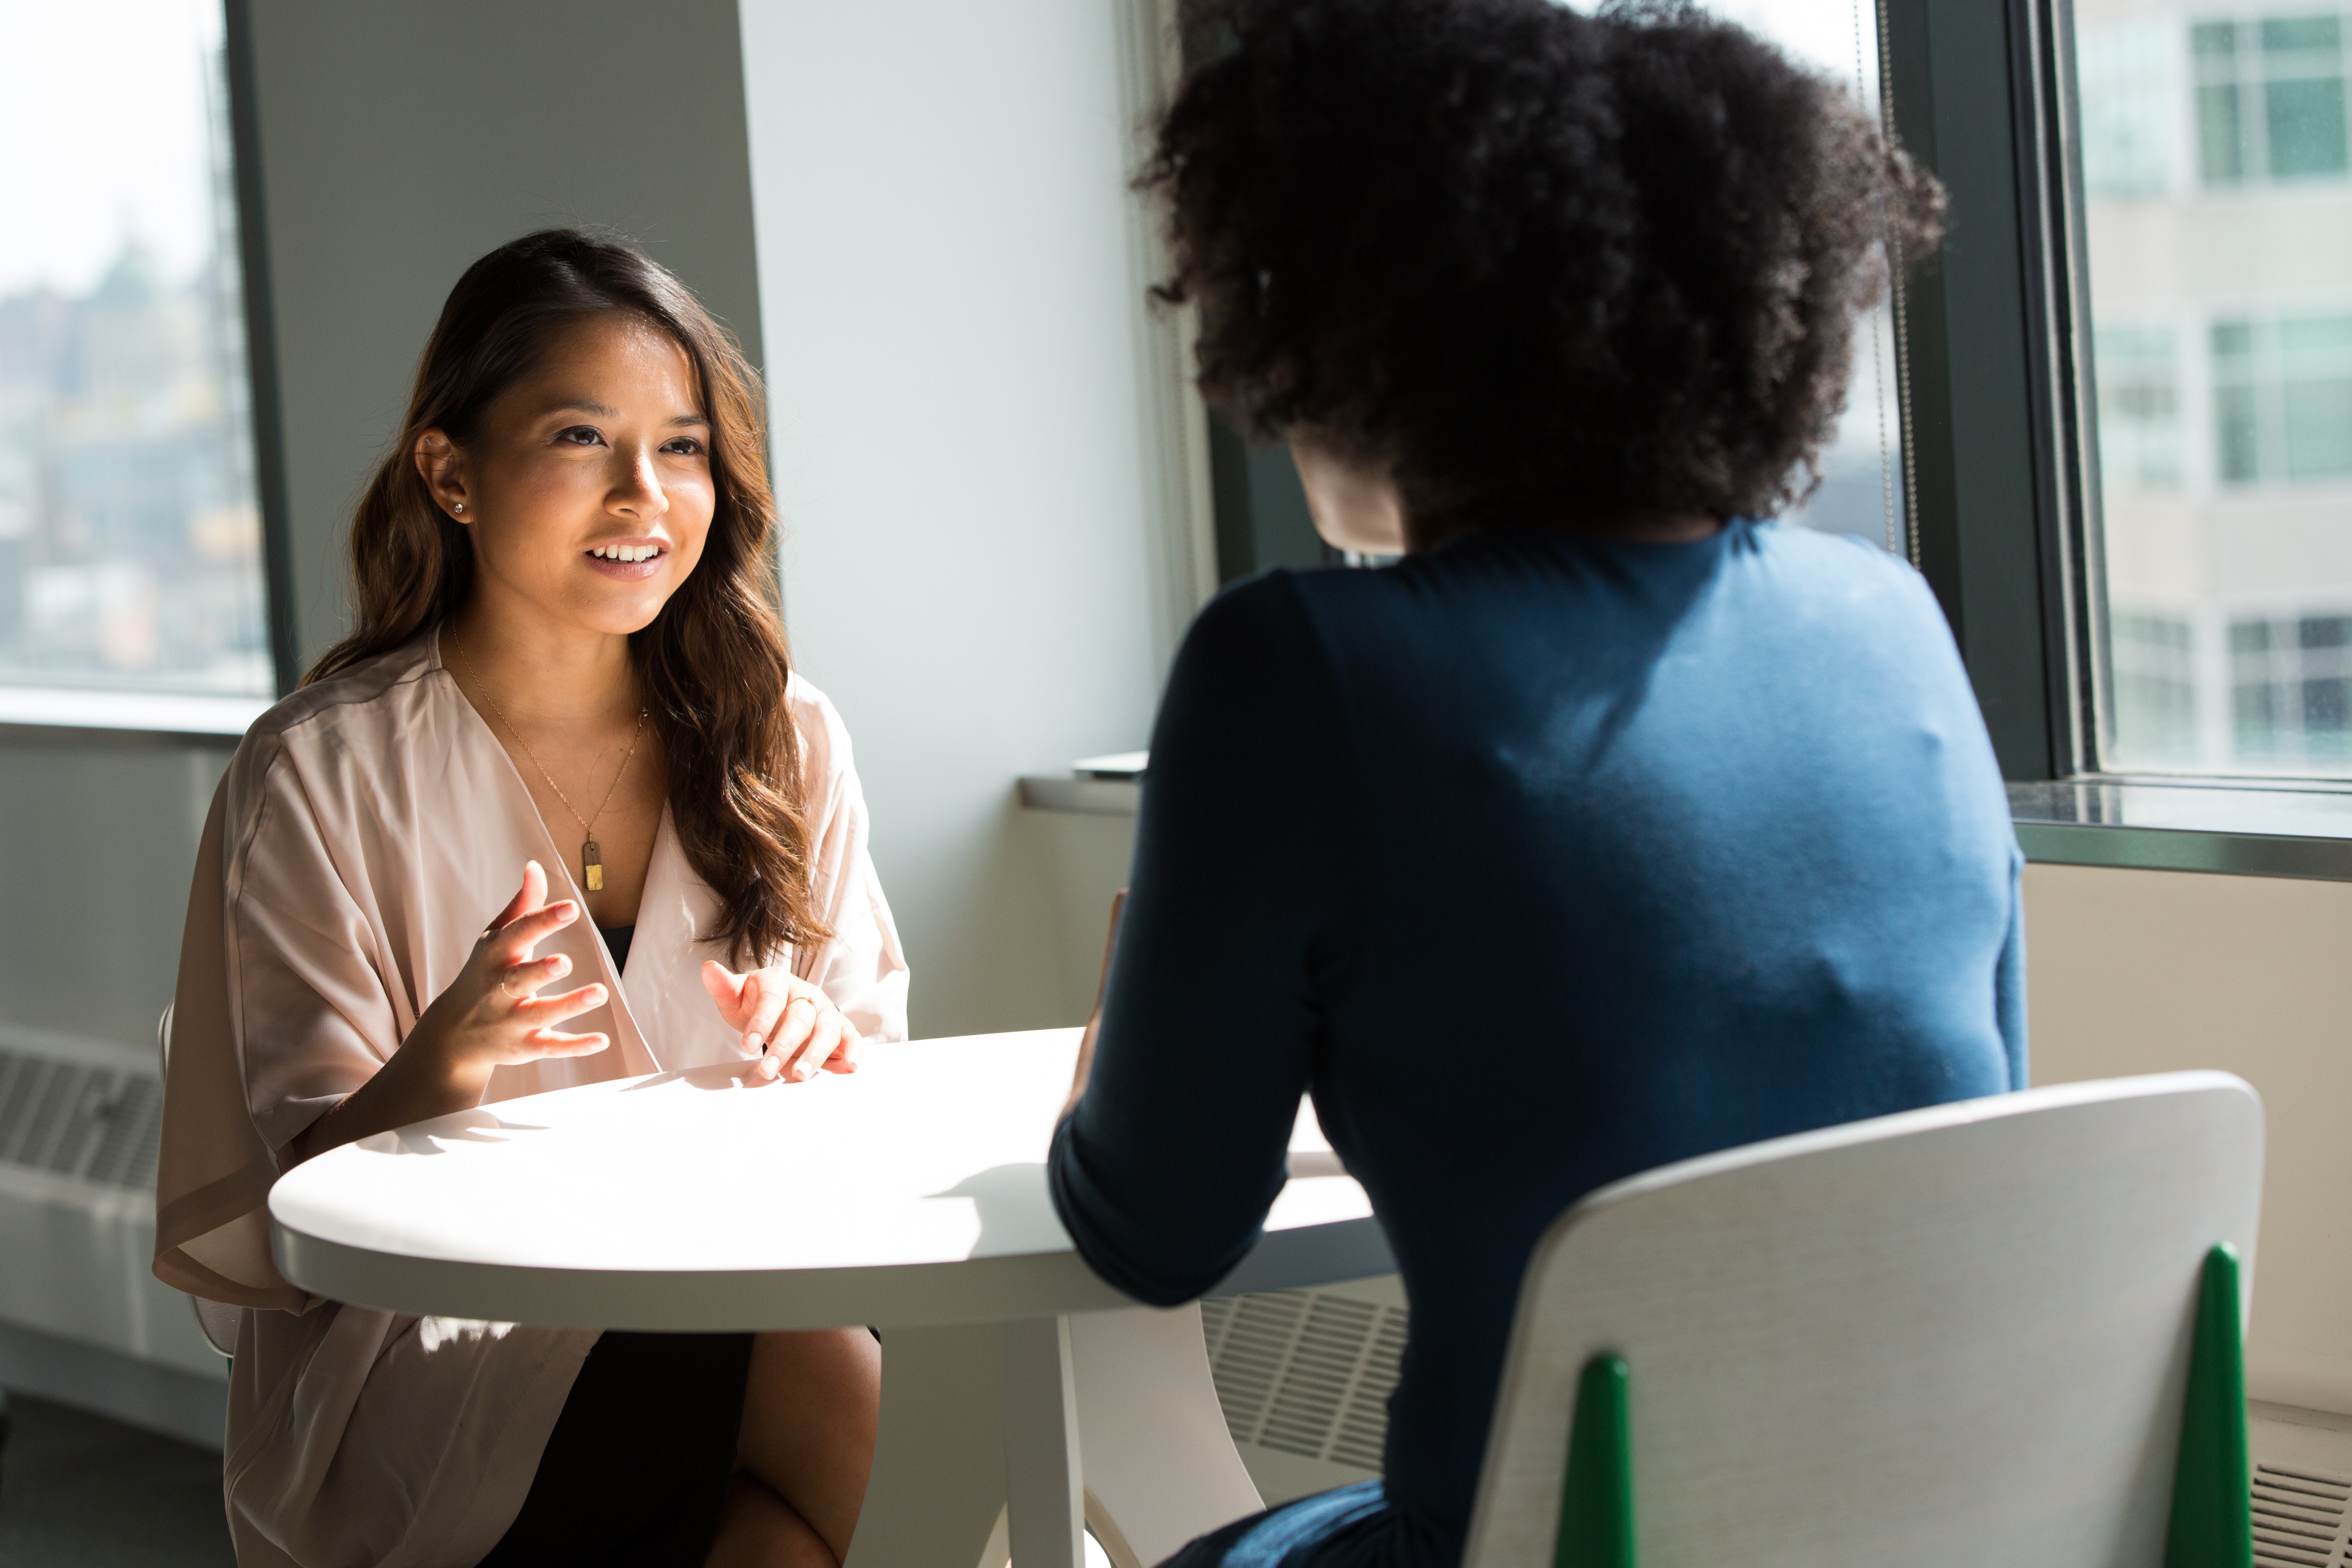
(490, 1017)
(790, 1024)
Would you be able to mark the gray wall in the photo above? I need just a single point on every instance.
(983, 567)
(97, 879)
(401, 141)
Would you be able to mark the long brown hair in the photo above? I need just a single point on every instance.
(713, 664)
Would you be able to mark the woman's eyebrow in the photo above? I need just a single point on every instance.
(587, 406)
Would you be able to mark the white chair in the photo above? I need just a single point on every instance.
(1958, 1336)
(216, 1320)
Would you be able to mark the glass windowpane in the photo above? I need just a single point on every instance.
(2303, 121)
(2219, 349)
(2220, 141)
(130, 540)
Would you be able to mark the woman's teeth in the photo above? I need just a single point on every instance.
(625, 552)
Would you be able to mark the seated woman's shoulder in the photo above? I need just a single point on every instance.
(375, 693)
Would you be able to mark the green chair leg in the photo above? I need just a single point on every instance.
(1596, 1504)
(2212, 1514)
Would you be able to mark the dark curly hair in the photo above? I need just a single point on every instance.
(1532, 264)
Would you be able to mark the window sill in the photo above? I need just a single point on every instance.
(1086, 796)
(172, 716)
(2235, 828)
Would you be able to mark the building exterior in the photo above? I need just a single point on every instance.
(130, 540)
(2218, 200)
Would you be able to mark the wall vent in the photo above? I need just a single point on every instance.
(1306, 1372)
(2299, 1518)
(97, 1122)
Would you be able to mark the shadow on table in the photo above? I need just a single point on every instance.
(1016, 1209)
(481, 1125)
(718, 1075)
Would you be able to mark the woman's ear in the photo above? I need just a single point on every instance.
(443, 467)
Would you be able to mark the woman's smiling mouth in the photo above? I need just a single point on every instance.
(630, 561)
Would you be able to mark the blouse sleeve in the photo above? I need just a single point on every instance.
(1235, 912)
(280, 1010)
(860, 967)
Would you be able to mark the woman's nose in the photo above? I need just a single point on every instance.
(639, 492)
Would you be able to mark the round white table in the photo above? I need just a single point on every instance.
(910, 1196)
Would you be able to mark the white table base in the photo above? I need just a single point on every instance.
(1015, 1435)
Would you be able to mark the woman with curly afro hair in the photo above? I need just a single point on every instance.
(1614, 824)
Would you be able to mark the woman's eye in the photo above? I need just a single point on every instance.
(579, 435)
(684, 447)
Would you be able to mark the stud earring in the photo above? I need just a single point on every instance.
(459, 507)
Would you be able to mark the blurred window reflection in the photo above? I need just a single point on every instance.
(130, 540)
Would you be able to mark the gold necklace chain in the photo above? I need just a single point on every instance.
(591, 856)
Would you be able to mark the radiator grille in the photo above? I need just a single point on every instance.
(1306, 1372)
(100, 1123)
(2299, 1518)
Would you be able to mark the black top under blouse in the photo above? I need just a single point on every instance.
(617, 939)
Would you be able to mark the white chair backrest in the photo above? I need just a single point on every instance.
(216, 1320)
(1955, 1336)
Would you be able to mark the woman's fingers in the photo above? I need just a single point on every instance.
(521, 980)
(539, 1012)
(549, 1043)
(529, 897)
(843, 1056)
(800, 1036)
(766, 1003)
(726, 988)
(525, 932)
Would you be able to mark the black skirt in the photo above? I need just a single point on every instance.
(638, 1464)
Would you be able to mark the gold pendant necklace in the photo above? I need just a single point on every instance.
(591, 857)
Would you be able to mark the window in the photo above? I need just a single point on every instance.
(2270, 98)
(1860, 492)
(2214, 176)
(2139, 407)
(2283, 398)
(2130, 132)
(2290, 678)
(130, 537)
(2154, 679)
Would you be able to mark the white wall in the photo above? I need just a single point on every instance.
(401, 141)
(2135, 971)
(985, 564)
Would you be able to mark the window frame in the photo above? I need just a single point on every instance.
(208, 718)
(2022, 580)
(2003, 437)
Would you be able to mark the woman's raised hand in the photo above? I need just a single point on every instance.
(490, 1017)
(790, 1024)
(492, 1014)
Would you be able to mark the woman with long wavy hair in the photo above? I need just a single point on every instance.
(558, 810)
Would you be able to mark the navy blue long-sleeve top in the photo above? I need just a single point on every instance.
(1539, 861)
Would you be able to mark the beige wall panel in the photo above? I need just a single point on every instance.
(2137, 972)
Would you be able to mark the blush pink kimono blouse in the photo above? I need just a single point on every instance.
(367, 830)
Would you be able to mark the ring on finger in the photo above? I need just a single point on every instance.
(512, 995)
